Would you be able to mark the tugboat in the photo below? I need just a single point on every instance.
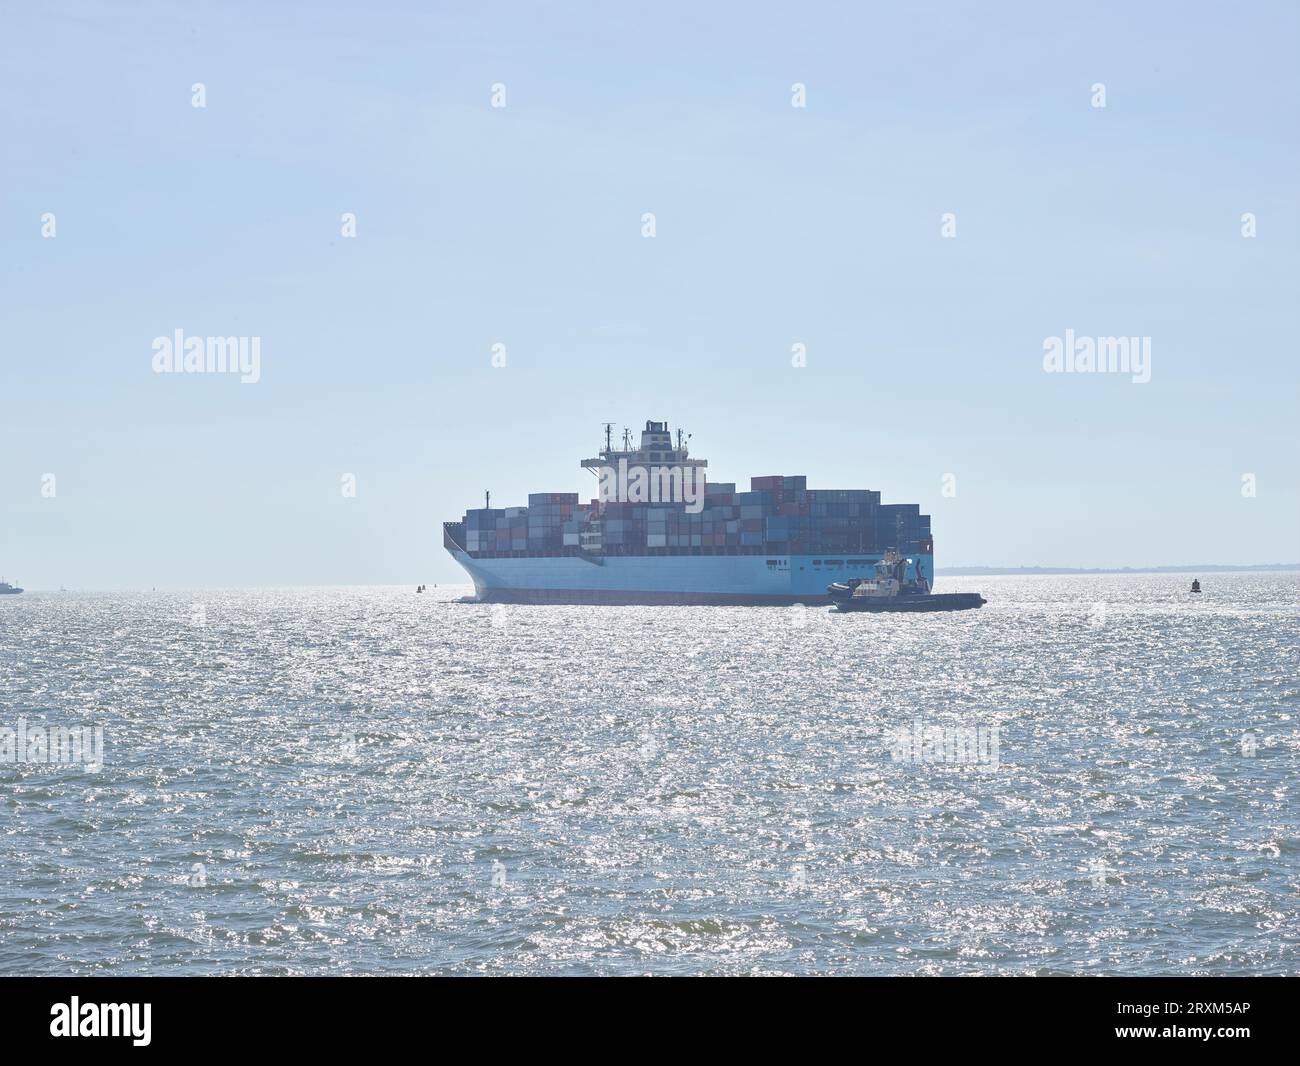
(1196, 585)
(7, 589)
(888, 590)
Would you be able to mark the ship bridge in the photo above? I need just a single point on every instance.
(656, 449)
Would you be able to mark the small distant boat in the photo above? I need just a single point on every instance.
(419, 588)
(888, 591)
(1196, 585)
(7, 589)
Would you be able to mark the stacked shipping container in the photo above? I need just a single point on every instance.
(779, 515)
(548, 514)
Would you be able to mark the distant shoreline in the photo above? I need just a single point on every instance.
(942, 571)
(1207, 568)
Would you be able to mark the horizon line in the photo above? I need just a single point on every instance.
(949, 571)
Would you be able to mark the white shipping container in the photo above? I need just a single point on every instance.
(656, 540)
(571, 540)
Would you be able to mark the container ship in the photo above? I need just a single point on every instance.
(658, 533)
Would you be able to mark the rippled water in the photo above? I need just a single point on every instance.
(374, 781)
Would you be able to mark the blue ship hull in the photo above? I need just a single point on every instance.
(660, 579)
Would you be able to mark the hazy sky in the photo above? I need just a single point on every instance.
(522, 225)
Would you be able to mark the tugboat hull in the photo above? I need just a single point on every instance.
(908, 601)
(944, 601)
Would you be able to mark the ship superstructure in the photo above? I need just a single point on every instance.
(657, 532)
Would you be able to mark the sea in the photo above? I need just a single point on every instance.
(1090, 775)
